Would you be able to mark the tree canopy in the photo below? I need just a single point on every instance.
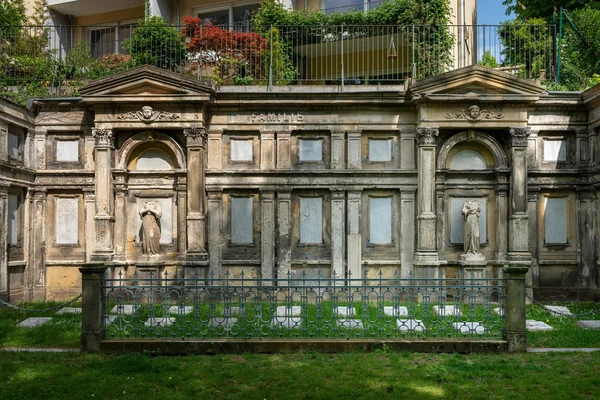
(526, 9)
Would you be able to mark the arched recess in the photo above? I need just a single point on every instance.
(481, 142)
(148, 141)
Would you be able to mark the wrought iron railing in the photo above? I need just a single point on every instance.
(62, 58)
(306, 306)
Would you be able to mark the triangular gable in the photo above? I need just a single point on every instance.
(146, 80)
(476, 82)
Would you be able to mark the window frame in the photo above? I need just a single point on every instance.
(196, 11)
(116, 25)
(52, 148)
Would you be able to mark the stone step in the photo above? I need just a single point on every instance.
(537, 326)
(34, 322)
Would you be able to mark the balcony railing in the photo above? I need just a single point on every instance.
(62, 58)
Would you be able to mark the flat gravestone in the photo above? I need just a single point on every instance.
(537, 326)
(226, 323)
(467, 328)
(126, 309)
(447, 311)
(69, 310)
(286, 322)
(109, 319)
(560, 311)
(293, 311)
(180, 310)
(344, 311)
(396, 311)
(499, 311)
(410, 325)
(589, 324)
(164, 322)
(349, 323)
(35, 322)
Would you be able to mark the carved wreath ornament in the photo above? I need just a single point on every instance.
(474, 113)
(148, 115)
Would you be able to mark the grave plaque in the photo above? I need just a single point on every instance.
(67, 220)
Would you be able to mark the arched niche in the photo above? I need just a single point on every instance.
(483, 149)
(151, 151)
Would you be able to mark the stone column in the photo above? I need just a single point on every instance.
(518, 224)
(36, 274)
(92, 325)
(338, 233)
(337, 150)
(284, 232)
(267, 234)
(196, 223)
(3, 241)
(354, 153)
(121, 219)
(90, 232)
(267, 150)
(215, 238)
(354, 244)
(501, 219)
(407, 224)
(514, 328)
(426, 254)
(104, 218)
(586, 212)
(532, 278)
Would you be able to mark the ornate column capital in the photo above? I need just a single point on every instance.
(426, 136)
(103, 137)
(518, 136)
(195, 136)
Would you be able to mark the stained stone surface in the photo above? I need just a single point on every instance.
(127, 309)
(69, 310)
(224, 322)
(286, 322)
(293, 311)
(164, 322)
(499, 311)
(589, 324)
(349, 323)
(410, 325)
(559, 309)
(537, 326)
(467, 328)
(181, 310)
(344, 311)
(447, 311)
(395, 311)
(34, 322)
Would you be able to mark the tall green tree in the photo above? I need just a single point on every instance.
(526, 9)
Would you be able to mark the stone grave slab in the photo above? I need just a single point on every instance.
(231, 311)
(109, 319)
(284, 311)
(537, 326)
(34, 322)
(180, 310)
(164, 322)
(447, 311)
(589, 324)
(126, 309)
(344, 311)
(410, 325)
(69, 310)
(349, 323)
(226, 323)
(499, 311)
(395, 311)
(467, 328)
(286, 322)
(559, 309)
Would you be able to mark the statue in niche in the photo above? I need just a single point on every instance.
(150, 216)
(470, 213)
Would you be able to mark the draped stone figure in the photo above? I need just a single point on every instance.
(150, 216)
(470, 213)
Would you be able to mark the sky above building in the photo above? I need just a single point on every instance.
(491, 12)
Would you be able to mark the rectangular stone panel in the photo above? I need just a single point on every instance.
(380, 150)
(241, 220)
(311, 150)
(67, 150)
(457, 221)
(555, 150)
(241, 150)
(166, 220)
(67, 220)
(13, 219)
(380, 220)
(555, 220)
(311, 220)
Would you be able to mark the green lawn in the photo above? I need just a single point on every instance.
(300, 376)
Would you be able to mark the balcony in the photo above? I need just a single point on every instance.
(64, 57)
(78, 8)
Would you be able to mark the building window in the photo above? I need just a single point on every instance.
(241, 150)
(242, 220)
(380, 150)
(468, 160)
(457, 221)
(67, 220)
(154, 160)
(13, 219)
(380, 220)
(227, 14)
(16, 136)
(110, 39)
(331, 6)
(310, 150)
(311, 220)
(555, 220)
(67, 151)
(555, 150)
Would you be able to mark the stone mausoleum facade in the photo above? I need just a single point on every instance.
(310, 179)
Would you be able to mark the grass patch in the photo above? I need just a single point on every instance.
(300, 376)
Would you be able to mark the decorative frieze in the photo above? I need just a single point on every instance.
(518, 136)
(474, 114)
(427, 136)
(103, 137)
(148, 115)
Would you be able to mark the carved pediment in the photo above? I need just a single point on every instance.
(146, 81)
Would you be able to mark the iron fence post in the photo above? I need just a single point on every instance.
(342, 55)
(92, 324)
(271, 59)
(514, 327)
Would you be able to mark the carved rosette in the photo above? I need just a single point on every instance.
(518, 136)
(195, 136)
(103, 137)
(427, 136)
